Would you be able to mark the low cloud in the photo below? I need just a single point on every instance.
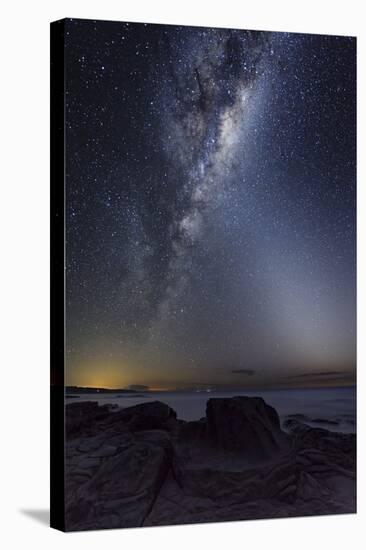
(247, 372)
(138, 387)
(321, 374)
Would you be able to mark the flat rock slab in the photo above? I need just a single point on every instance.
(123, 490)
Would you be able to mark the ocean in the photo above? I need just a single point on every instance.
(331, 408)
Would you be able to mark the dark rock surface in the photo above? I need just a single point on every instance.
(123, 488)
(319, 421)
(146, 416)
(82, 418)
(245, 424)
(325, 421)
(141, 466)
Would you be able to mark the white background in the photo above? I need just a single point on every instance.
(24, 273)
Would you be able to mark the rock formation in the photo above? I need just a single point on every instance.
(245, 424)
(141, 466)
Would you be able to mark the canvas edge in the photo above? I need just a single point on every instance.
(57, 272)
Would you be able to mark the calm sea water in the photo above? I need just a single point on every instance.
(335, 404)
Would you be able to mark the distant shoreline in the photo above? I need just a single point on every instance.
(90, 390)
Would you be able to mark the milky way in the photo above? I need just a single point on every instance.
(210, 206)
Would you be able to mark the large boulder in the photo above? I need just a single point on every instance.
(154, 415)
(245, 424)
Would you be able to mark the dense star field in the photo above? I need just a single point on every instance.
(210, 207)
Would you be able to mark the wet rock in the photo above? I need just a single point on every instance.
(307, 437)
(325, 421)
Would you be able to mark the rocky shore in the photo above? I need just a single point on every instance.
(141, 466)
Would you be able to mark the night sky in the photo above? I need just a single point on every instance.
(210, 207)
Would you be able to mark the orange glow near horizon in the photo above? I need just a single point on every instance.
(113, 373)
(109, 374)
(97, 374)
